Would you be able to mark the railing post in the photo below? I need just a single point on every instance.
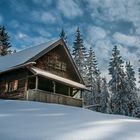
(27, 95)
(54, 87)
(26, 85)
(36, 84)
(82, 98)
(69, 91)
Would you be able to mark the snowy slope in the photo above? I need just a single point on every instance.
(23, 120)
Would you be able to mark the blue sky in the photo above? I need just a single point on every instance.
(103, 23)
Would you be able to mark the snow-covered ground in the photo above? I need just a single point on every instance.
(24, 120)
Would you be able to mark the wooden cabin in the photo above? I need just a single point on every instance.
(45, 73)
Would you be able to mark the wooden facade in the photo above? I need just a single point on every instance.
(57, 62)
(16, 83)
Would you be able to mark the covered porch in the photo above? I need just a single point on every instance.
(48, 87)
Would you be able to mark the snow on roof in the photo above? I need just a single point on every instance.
(12, 60)
(49, 75)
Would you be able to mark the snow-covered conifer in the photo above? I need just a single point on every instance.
(130, 75)
(131, 93)
(104, 102)
(93, 80)
(63, 35)
(92, 72)
(79, 53)
(117, 83)
(139, 73)
(4, 42)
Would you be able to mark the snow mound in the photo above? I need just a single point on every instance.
(24, 120)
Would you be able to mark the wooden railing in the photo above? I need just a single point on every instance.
(48, 97)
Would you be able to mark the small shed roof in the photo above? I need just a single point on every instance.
(40, 72)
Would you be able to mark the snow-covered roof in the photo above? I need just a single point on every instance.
(49, 75)
(9, 61)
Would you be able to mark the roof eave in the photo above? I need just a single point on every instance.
(18, 66)
(48, 75)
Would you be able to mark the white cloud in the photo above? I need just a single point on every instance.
(95, 33)
(45, 17)
(19, 6)
(138, 30)
(103, 50)
(21, 35)
(126, 39)
(43, 2)
(113, 10)
(21, 40)
(69, 8)
(33, 41)
(43, 32)
(15, 24)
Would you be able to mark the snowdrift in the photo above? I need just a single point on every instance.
(24, 120)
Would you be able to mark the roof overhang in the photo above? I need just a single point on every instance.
(48, 75)
(29, 64)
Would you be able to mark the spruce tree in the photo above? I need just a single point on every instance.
(92, 72)
(139, 73)
(92, 77)
(63, 35)
(104, 102)
(97, 100)
(4, 42)
(79, 53)
(117, 83)
(132, 96)
(98, 92)
(130, 75)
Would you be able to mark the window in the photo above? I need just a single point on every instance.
(6, 87)
(63, 66)
(50, 62)
(13, 85)
(58, 65)
(21, 83)
(3, 88)
(55, 63)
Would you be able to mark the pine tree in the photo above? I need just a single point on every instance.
(132, 96)
(139, 72)
(117, 83)
(63, 35)
(79, 54)
(92, 77)
(98, 97)
(130, 75)
(4, 42)
(116, 71)
(104, 102)
(98, 91)
(92, 73)
(136, 112)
